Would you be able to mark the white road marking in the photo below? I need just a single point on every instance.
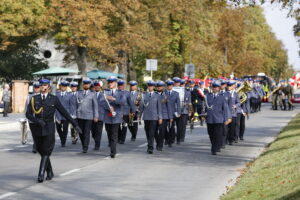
(7, 195)
(143, 145)
(21, 146)
(6, 149)
(69, 172)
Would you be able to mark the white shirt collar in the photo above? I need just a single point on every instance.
(46, 94)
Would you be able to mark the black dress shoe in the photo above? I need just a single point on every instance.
(230, 143)
(121, 142)
(96, 148)
(84, 151)
(112, 155)
(150, 151)
(63, 145)
(43, 165)
(159, 148)
(49, 171)
(219, 150)
(133, 139)
(241, 138)
(213, 153)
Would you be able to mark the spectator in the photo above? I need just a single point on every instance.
(6, 98)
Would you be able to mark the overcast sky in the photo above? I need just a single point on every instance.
(283, 28)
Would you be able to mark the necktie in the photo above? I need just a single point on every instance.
(150, 94)
(214, 96)
(169, 93)
(112, 92)
(62, 95)
(43, 97)
(85, 92)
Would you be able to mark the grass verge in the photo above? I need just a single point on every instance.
(275, 174)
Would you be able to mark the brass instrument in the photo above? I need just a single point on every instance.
(195, 117)
(242, 90)
(131, 118)
(278, 88)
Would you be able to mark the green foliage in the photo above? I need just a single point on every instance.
(20, 61)
(276, 173)
(217, 38)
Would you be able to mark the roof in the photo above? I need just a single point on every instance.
(56, 71)
(100, 74)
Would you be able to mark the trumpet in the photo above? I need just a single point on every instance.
(195, 117)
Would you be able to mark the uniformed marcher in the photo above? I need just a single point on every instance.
(152, 113)
(217, 116)
(113, 115)
(235, 102)
(87, 112)
(227, 97)
(40, 111)
(97, 127)
(62, 124)
(36, 91)
(135, 98)
(127, 110)
(185, 111)
(73, 110)
(174, 111)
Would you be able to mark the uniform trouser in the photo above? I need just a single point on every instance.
(85, 126)
(160, 133)
(6, 108)
(44, 144)
(62, 129)
(225, 135)
(170, 134)
(215, 135)
(184, 119)
(133, 128)
(74, 134)
(274, 101)
(237, 126)
(97, 128)
(31, 129)
(231, 130)
(112, 135)
(123, 129)
(150, 129)
(179, 125)
(242, 126)
(289, 98)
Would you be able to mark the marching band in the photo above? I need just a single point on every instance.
(166, 108)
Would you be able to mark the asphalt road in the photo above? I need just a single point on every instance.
(186, 171)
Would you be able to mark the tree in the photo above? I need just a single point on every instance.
(20, 61)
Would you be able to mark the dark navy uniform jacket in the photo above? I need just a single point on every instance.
(218, 111)
(50, 105)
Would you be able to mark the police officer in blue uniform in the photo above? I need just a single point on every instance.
(87, 112)
(236, 107)
(40, 111)
(113, 115)
(73, 109)
(152, 113)
(174, 111)
(135, 98)
(62, 125)
(97, 127)
(127, 109)
(227, 97)
(217, 116)
(167, 116)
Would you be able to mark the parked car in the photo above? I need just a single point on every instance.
(296, 98)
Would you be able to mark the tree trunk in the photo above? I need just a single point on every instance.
(80, 54)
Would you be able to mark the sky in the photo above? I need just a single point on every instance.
(282, 26)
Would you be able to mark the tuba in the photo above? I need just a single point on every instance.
(242, 90)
